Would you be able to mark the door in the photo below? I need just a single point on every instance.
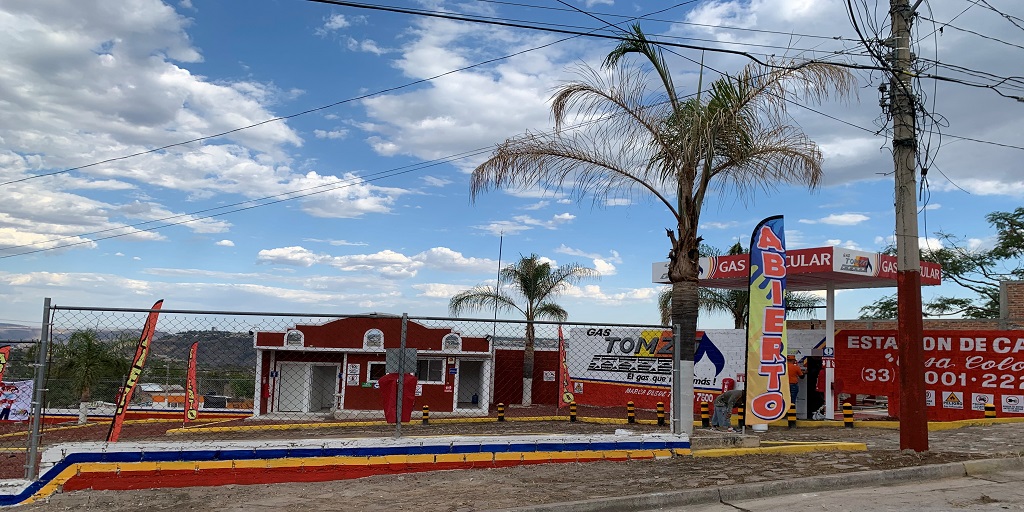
(293, 387)
(470, 384)
(324, 384)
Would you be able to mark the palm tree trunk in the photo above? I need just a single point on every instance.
(83, 406)
(528, 356)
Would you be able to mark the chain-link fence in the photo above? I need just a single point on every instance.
(270, 375)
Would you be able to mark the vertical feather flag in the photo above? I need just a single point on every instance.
(5, 355)
(563, 370)
(124, 397)
(191, 398)
(766, 326)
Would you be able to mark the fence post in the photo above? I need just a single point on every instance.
(677, 382)
(32, 459)
(401, 378)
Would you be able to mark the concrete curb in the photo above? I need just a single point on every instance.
(780, 487)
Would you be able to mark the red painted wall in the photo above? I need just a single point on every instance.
(508, 377)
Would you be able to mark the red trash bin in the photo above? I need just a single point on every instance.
(389, 394)
(728, 384)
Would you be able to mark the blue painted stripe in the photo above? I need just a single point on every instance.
(280, 453)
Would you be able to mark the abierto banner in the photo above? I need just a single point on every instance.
(124, 397)
(766, 325)
(191, 397)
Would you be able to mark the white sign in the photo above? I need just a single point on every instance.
(978, 401)
(952, 400)
(419, 389)
(352, 379)
(352, 369)
(549, 376)
(1013, 404)
(929, 398)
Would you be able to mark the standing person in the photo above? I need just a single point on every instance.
(721, 419)
(795, 374)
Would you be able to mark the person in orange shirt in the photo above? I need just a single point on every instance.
(795, 374)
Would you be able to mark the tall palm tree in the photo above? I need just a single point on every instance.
(736, 302)
(736, 136)
(535, 283)
(86, 361)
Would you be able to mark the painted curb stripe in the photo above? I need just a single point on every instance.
(89, 465)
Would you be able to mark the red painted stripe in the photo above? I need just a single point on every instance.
(130, 480)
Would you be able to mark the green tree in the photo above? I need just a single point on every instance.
(976, 269)
(527, 286)
(737, 136)
(86, 362)
(735, 302)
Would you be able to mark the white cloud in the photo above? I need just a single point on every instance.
(333, 23)
(435, 181)
(604, 267)
(225, 243)
(839, 219)
(331, 134)
(612, 257)
(295, 255)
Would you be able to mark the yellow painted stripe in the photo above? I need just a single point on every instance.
(796, 448)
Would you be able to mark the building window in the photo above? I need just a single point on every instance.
(374, 371)
(430, 370)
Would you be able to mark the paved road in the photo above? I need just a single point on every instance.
(992, 491)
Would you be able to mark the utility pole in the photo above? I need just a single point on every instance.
(913, 411)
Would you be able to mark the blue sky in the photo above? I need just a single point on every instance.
(87, 81)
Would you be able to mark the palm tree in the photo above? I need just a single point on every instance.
(737, 135)
(535, 282)
(736, 302)
(86, 361)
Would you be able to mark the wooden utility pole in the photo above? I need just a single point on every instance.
(913, 411)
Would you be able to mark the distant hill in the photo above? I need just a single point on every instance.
(15, 332)
(217, 349)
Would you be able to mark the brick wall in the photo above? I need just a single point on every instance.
(1011, 312)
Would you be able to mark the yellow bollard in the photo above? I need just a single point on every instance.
(847, 415)
(426, 414)
(572, 412)
(741, 413)
(791, 415)
(630, 412)
(990, 410)
(661, 414)
(501, 412)
(705, 419)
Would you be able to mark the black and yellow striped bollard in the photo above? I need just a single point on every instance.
(630, 412)
(791, 415)
(990, 410)
(572, 411)
(741, 412)
(847, 415)
(661, 414)
(426, 414)
(501, 412)
(705, 419)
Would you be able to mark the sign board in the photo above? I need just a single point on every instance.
(549, 375)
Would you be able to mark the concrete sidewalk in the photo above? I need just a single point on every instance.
(734, 493)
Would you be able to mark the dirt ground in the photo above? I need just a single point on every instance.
(489, 489)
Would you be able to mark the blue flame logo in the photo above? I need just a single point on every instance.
(706, 348)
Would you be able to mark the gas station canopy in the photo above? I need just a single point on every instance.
(816, 268)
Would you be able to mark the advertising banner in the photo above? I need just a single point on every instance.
(191, 394)
(963, 370)
(766, 324)
(124, 397)
(15, 400)
(5, 356)
(565, 387)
